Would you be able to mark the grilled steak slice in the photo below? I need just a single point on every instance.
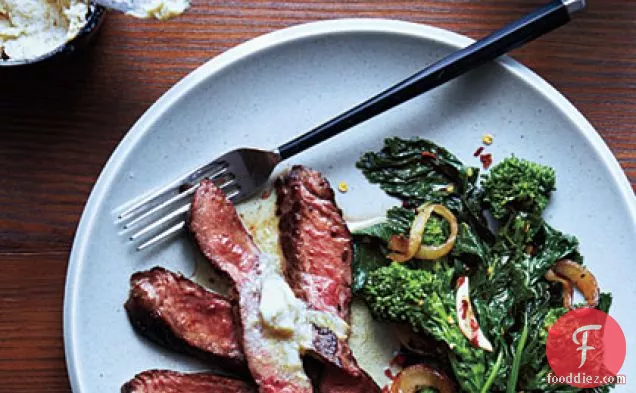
(185, 317)
(335, 380)
(163, 381)
(223, 239)
(315, 240)
(317, 246)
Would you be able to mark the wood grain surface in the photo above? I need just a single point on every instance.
(59, 123)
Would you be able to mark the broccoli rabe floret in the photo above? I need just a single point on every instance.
(436, 231)
(516, 185)
(421, 298)
(396, 293)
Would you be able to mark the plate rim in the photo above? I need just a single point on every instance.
(267, 42)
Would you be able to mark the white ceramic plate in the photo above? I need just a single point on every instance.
(269, 89)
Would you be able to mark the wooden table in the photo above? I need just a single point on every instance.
(58, 125)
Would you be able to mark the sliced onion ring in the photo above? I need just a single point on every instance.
(413, 378)
(413, 248)
(466, 317)
(434, 252)
(582, 278)
(415, 236)
(568, 289)
(399, 243)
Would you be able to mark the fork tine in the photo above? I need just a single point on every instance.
(232, 195)
(168, 217)
(220, 168)
(162, 236)
(161, 206)
(131, 224)
(173, 229)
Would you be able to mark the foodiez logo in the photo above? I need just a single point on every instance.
(586, 349)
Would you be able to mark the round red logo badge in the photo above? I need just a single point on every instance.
(585, 348)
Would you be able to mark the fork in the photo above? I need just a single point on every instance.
(243, 172)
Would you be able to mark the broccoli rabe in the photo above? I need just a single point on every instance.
(436, 231)
(424, 299)
(516, 185)
(396, 293)
(506, 263)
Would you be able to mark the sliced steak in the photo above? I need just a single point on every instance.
(317, 246)
(223, 239)
(315, 240)
(185, 317)
(335, 380)
(163, 381)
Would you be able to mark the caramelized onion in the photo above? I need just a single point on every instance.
(413, 378)
(415, 236)
(582, 278)
(399, 243)
(413, 248)
(568, 289)
(434, 252)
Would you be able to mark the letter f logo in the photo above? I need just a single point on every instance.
(584, 347)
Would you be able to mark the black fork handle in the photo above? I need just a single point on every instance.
(514, 35)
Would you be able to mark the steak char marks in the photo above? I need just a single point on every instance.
(317, 246)
(224, 240)
(163, 381)
(185, 317)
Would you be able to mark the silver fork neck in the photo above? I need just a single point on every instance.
(574, 6)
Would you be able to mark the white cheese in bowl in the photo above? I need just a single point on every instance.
(31, 28)
(161, 9)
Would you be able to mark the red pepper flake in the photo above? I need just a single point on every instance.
(478, 151)
(428, 154)
(398, 360)
(486, 160)
(389, 374)
(460, 281)
(266, 194)
(464, 309)
(473, 325)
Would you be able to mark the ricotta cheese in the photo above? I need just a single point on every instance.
(161, 9)
(31, 28)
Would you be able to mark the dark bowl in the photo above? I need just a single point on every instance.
(93, 21)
